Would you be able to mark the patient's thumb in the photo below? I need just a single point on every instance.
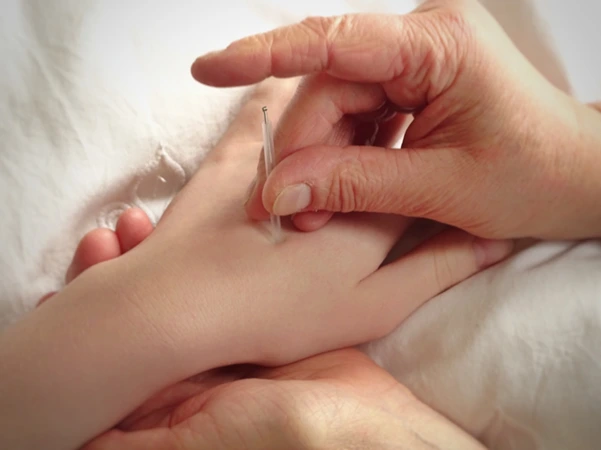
(346, 179)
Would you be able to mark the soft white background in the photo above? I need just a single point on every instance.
(96, 102)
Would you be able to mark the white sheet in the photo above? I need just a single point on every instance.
(97, 101)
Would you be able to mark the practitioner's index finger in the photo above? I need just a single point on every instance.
(352, 47)
(284, 52)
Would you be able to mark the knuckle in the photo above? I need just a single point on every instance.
(328, 31)
(328, 27)
(317, 25)
(346, 190)
(383, 197)
(457, 30)
(340, 25)
(428, 194)
(363, 181)
(262, 40)
(459, 35)
(314, 28)
(438, 41)
(419, 200)
(335, 198)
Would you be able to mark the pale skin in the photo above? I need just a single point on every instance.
(493, 148)
(314, 403)
(208, 289)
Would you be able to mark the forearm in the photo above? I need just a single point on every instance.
(78, 364)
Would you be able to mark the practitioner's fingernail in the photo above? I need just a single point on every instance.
(292, 200)
(250, 190)
(489, 252)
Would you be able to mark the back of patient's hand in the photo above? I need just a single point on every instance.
(494, 149)
(218, 276)
(208, 289)
(214, 290)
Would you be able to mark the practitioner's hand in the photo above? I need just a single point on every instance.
(335, 400)
(494, 149)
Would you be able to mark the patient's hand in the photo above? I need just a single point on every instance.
(207, 289)
(333, 400)
(103, 244)
(314, 403)
(317, 402)
(208, 274)
(218, 276)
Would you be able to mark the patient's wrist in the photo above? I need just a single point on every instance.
(77, 365)
(72, 367)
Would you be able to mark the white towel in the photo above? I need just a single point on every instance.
(97, 103)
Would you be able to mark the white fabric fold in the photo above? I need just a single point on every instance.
(98, 112)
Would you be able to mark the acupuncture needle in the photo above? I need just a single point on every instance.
(269, 156)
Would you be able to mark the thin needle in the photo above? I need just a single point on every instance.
(269, 154)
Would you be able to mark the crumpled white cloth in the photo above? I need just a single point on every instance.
(98, 112)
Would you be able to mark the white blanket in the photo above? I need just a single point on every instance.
(96, 102)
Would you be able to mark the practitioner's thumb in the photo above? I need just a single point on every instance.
(346, 179)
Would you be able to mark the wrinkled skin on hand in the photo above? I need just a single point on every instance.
(493, 148)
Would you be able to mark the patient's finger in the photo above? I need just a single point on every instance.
(132, 228)
(396, 290)
(97, 246)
